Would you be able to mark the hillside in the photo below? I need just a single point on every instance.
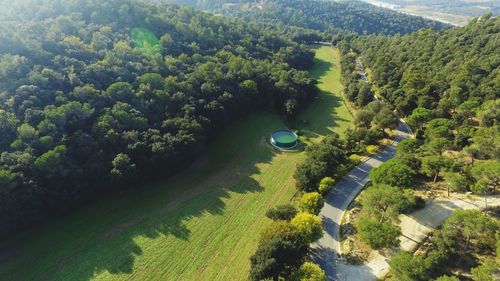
(445, 84)
(437, 70)
(325, 16)
(96, 95)
(202, 224)
(458, 12)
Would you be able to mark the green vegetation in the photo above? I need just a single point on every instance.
(325, 185)
(332, 17)
(384, 203)
(102, 101)
(467, 236)
(394, 173)
(378, 234)
(203, 216)
(488, 271)
(335, 116)
(311, 203)
(309, 272)
(281, 250)
(282, 212)
(91, 102)
(326, 158)
(309, 225)
(146, 41)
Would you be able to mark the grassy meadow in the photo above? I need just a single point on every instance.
(328, 113)
(200, 225)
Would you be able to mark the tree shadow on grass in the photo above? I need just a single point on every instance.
(321, 117)
(102, 236)
(320, 68)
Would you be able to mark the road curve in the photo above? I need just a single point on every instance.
(324, 251)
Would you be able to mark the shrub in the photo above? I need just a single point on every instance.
(322, 159)
(488, 271)
(372, 149)
(309, 226)
(309, 272)
(282, 249)
(282, 212)
(417, 204)
(378, 234)
(447, 278)
(355, 158)
(325, 185)
(406, 267)
(311, 203)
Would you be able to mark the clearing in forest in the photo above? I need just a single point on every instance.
(200, 225)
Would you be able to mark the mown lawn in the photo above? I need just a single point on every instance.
(200, 225)
(328, 113)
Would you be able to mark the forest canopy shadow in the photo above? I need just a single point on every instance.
(102, 236)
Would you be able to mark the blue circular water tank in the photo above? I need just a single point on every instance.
(284, 139)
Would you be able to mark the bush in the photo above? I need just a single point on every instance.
(419, 203)
(488, 271)
(282, 249)
(322, 159)
(447, 278)
(378, 234)
(406, 267)
(282, 212)
(373, 136)
(309, 272)
(355, 159)
(325, 185)
(309, 173)
(311, 203)
(309, 226)
(435, 259)
(372, 149)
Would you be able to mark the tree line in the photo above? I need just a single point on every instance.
(285, 244)
(446, 85)
(94, 95)
(331, 17)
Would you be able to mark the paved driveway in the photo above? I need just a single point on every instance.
(324, 252)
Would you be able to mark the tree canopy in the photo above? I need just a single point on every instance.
(96, 94)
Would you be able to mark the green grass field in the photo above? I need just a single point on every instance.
(200, 225)
(328, 113)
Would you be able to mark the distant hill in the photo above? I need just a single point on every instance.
(325, 16)
(457, 12)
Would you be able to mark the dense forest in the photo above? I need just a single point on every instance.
(330, 16)
(445, 82)
(95, 94)
(446, 85)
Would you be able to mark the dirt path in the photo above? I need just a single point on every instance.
(415, 228)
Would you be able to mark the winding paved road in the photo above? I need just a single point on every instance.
(325, 251)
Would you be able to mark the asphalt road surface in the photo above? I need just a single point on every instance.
(325, 251)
